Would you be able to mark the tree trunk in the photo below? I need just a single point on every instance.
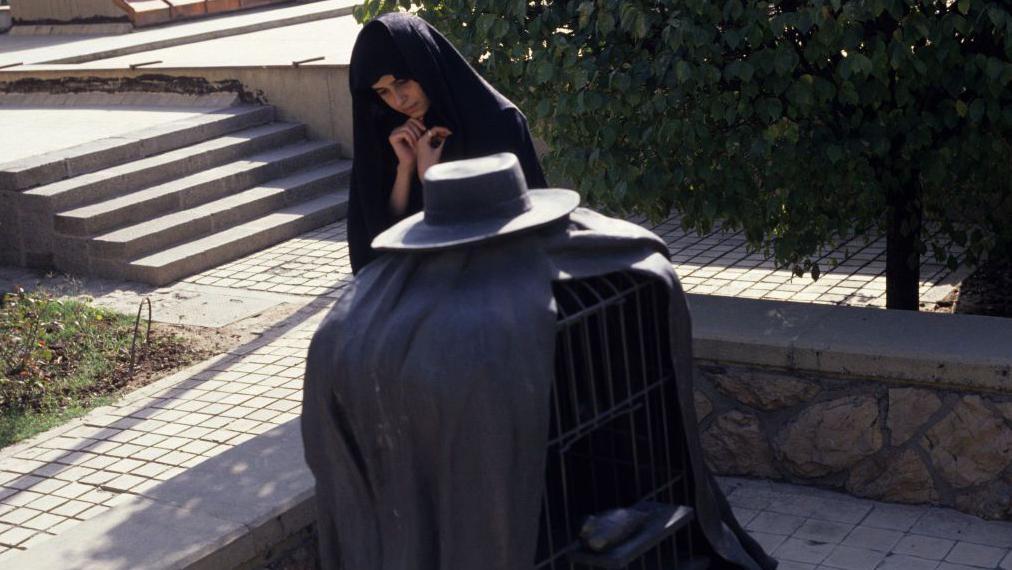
(903, 240)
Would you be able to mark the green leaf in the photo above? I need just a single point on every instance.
(605, 23)
(543, 71)
(996, 15)
(683, 71)
(485, 23)
(961, 108)
(860, 63)
(964, 7)
(784, 62)
(543, 109)
(640, 26)
(745, 71)
(586, 10)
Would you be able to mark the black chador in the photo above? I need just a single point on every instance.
(481, 119)
(426, 407)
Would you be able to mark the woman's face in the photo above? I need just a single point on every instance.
(402, 95)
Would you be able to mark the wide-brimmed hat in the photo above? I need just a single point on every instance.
(474, 200)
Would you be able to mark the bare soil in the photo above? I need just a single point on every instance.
(988, 291)
(173, 347)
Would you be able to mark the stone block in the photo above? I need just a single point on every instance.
(702, 404)
(830, 436)
(971, 445)
(901, 478)
(909, 410)
(761, 390)
(734, 444)
(992, 500)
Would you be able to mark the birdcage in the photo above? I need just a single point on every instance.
(616, 437)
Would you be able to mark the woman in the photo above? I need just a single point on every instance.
(417, 102)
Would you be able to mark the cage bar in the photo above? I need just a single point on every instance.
(615, 435)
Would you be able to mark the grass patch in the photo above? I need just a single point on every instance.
(61, 358)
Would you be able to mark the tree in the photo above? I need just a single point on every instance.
(796, 121)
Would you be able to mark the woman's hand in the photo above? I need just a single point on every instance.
(429, 148)
(404, 140)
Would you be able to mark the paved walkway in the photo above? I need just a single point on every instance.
(714, 264)
(29, 50)
(75, 472)
(809, 528)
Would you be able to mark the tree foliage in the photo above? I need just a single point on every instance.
(792, 120)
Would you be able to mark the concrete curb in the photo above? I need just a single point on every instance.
(961, 352)
(225, 512)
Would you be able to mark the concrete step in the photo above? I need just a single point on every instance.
(121, 179)
(221, 247)
(166, 231)
(193, 190)
(103, 153)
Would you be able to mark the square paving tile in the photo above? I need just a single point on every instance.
(799, 550)
(851, 558)
(976, 555)
(879, 539)
(823, 531)
(929, 547)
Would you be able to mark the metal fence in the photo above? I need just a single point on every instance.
(615, 438)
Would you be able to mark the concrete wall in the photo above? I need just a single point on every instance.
(64, 10)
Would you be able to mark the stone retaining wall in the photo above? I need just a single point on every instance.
(874, 438)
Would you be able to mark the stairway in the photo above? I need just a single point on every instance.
(164, 203)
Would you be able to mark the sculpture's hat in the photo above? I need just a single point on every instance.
(470, 201)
